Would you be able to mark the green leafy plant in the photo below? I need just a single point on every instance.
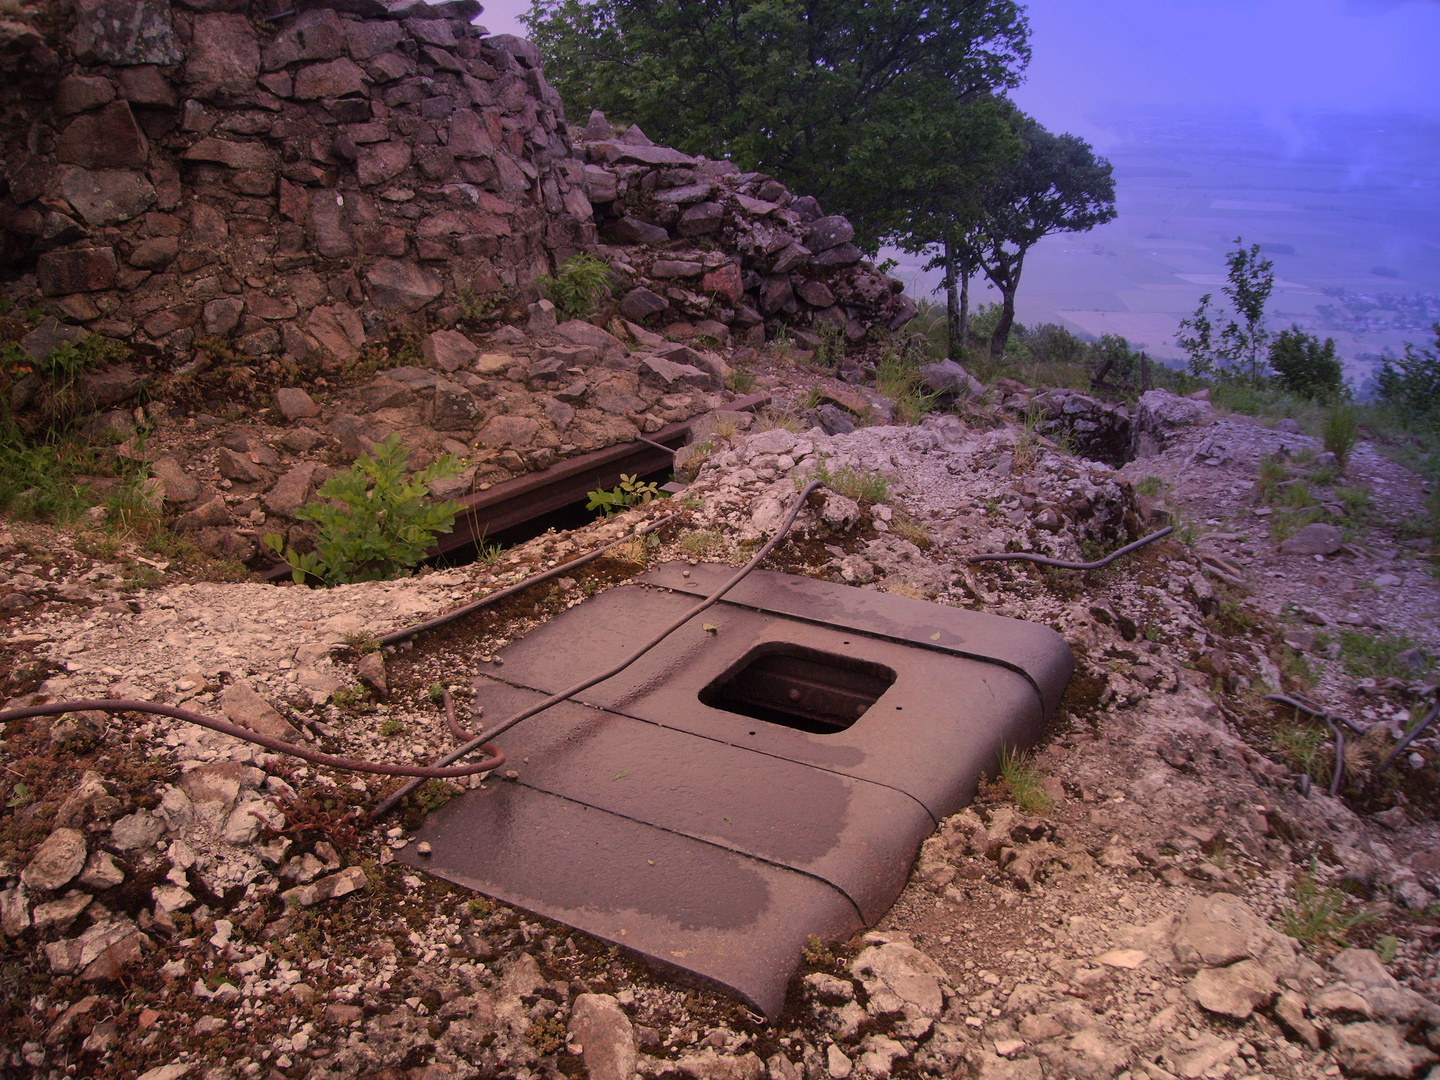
(1340, 430)
(578, 286)
(740, 381)
(699, 543)
(391, 727)
(475, 308)
(1306, 748)
(350, 697)
(1374, 656)
(1319, 917)
(1235, 346)
(374, 523)
(897, 376)
(631, 491)
(1023, 781)
(1411, 384)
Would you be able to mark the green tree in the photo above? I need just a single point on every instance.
(1411, 383)
(1240, 342)
(937, 199)
(1057, 185)
(1306, 366)
(812, 92)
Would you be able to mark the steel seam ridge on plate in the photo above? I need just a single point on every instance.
(733, 848)
(579, 700)
(758, 591)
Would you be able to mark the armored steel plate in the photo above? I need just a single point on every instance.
(765, 773)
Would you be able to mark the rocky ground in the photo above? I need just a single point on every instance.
(1161, 894)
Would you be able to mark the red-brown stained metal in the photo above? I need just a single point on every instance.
(788, 760)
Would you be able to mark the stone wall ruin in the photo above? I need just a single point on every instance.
(299, 183)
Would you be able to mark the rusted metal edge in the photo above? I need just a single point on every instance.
(514, 502)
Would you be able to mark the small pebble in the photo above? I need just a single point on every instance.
(423, 847)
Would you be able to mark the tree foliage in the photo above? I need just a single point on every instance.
(1239, 343)
(1057, 185)
(1411, 383)
(814, 92)
(1306, 366)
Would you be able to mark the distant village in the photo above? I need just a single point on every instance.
(1380, 312)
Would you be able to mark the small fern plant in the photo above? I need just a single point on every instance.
(578, 286)
(373, 523)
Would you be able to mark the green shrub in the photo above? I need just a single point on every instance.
(1306, 367)
(863, 487)
(1340, 430)
(897, 376)
(374, 523)
(1411, 384)
(578, 286)
(1023, 781)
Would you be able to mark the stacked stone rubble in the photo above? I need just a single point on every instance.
(298, 182)
(293, 183)
(703, 241)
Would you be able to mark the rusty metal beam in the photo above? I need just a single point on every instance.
(535, 494)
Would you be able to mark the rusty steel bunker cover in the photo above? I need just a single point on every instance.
(765, 774)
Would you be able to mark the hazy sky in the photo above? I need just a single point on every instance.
(1275, 55)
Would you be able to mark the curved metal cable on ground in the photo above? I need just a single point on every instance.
(1404, 743)
(421, 772)
(675, 624)
(1337, 774)
(1065, 564)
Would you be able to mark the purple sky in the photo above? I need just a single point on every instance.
(1276, 55)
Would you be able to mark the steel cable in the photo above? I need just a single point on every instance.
(117, 705)
(564, 695)
(1066, 564)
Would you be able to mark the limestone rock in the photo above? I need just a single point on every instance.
(124, 32)
(1237, 990)
(291, 491)
(1219, 930)
(224, 56)
(137, 831)
(903, 970)
(449, 350)
(101, 952)
(949, 380)
(1314, 539)
(178, 485)
(243, 706)
(107, 196)
(1159, 415)
(402, 286)
(295, 404)
(605, 1035)
(516, 432)
(370, 670)
(1378, 1050)
(56, 862)
(76, 270)
(640, 303)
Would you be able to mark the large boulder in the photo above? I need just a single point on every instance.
(1160, 416)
